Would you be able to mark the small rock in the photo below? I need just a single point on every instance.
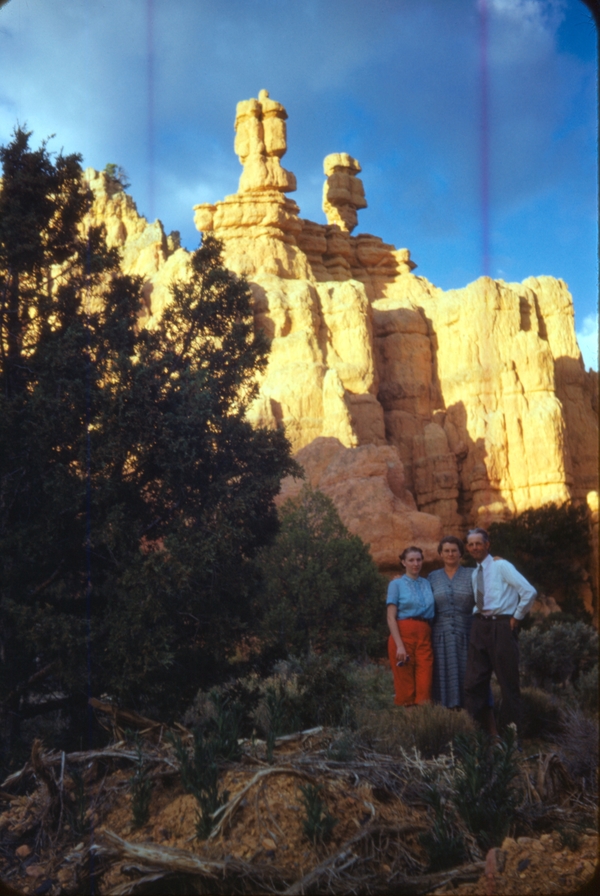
(545, 838)
(269, 844)
(495, 861)
(34, 871)
(23, 851)
(509, 843)
(523, 864)
(525, 841)
(44, 887)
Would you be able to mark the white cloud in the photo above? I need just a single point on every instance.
(587, 338)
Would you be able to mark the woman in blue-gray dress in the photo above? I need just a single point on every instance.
(454, 601)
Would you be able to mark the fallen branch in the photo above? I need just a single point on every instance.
(229, 808)
(157, 862)
(340, 858)
(55, 758)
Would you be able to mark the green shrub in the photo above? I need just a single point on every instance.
(321, 589)
(199, 776)
(484, 795)
(558, 653)
(140, 787)
(444, 845)
(326, 688)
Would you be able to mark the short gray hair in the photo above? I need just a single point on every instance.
(479, 531)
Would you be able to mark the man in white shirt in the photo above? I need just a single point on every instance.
(502, 598)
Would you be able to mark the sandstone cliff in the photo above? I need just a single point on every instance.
(419, 411)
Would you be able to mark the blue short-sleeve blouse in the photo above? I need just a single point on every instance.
(413, 597)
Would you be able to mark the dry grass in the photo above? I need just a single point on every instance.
(430, 729)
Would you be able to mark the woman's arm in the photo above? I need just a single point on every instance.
(401, 654)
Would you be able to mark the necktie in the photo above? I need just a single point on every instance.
(480, 589)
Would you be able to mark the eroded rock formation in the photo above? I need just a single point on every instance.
(419, 411)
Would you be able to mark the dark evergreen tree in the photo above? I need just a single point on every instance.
(133, 492)
(322, 590)
(550, 546)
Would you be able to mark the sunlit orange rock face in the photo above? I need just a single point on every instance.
(420, 412)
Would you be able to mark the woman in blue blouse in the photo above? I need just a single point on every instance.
(410, 606)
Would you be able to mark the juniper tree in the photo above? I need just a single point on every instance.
(133, 492)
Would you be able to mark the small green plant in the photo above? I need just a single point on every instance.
(445, 848)
(275, 709)
(200, 777)
(484, 793)
(79, 822)
(318, 824)
(140, 787)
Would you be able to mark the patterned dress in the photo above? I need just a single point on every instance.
(454, 601)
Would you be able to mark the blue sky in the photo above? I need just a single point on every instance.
(152, 85)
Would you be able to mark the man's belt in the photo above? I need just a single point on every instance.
(495, 615)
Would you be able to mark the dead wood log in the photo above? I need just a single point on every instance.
(55, 758)
(159, 861)
(126, 718)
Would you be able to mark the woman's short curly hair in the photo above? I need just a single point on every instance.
(452, 539)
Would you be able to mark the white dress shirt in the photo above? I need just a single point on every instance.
(506, 592)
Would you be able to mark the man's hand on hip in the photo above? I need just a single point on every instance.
(514, 623)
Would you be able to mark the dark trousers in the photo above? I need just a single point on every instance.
(493, 647)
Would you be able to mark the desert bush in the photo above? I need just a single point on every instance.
(430, 728)
(557, 654)
(200, 777)
(321, 589)
(327, 687)
(443, 843)
(484, 794)
(578, 742)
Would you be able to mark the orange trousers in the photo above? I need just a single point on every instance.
(412, 681)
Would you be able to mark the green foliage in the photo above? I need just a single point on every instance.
(484, 794)
(140, 787)
(321, 589)
(134, 494)
(559, 653)
(79, 804)
(200, 777)
(116, 175)
(551, 547)
(444, 845)
(275, 705)
(318, 824)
